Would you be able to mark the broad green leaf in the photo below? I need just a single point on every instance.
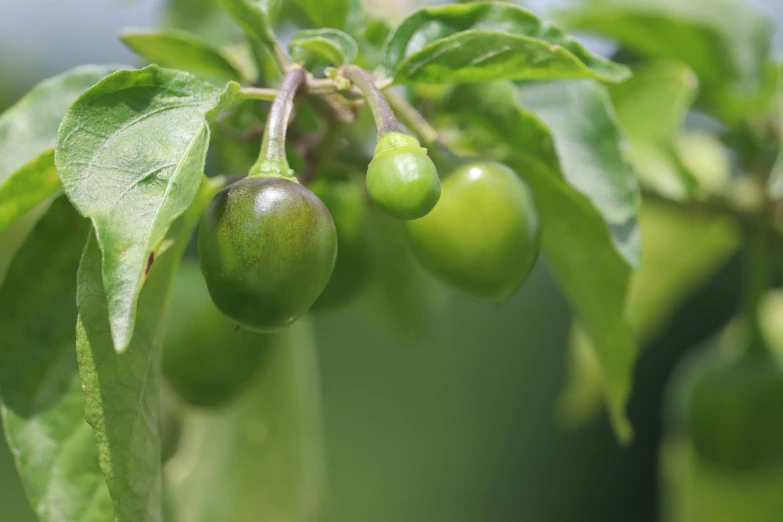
(42, 406)
(203, 17)
(181, 50)
(130, 153)
(254, 17)
(27, 135)
(588, 249)
(13, 236)
(651, 108)
(337, 47)
(666, 277)
(121, 390)
(589, 147)
(653, 104)
(334, 14)
(260, 459)
(487, 41)
(726, 42)
(28, 187)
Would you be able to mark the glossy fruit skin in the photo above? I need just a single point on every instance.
(401, 178)
(205, 358)
(735, 416)
(482, 237)
(345, 200)
(267, 247)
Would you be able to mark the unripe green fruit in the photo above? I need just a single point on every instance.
(401, 178)
(482, 237)
(345, 200)
(267, 248)
(205, 358)
(735, 416)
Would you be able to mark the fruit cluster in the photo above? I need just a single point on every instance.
(271, 248)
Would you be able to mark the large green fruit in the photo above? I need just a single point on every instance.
(482, 237)
(345, 200)
(401, 178)
(207, 360)
(267, 249)
(735, 415)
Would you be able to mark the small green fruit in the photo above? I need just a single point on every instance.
(345, 200)
(401, 178)
(482, 237)
(267, 248)
(735, 416)
(205, 358)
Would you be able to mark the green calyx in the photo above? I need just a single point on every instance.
(482, 238)
(267, 248)
(401, 178)
(276, 168)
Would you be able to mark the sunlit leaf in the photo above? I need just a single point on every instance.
(130, 153)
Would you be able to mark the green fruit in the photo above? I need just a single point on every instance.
(205, 358)
(345, 200)
(735, 416)
(401, 178)
(482, 237)
(267, 248)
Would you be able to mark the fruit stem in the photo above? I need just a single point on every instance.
(385, 121)
(755, 283)
(272, 159)
(446, 159)
(256, 93)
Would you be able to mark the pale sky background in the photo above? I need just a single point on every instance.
(54, 35)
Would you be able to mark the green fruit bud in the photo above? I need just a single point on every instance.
(267, 249)
(735, 416)
(345, 200)
(205, 358)
(401, 178)
(482, 237)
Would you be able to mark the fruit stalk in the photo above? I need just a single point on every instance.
(385, 121)
(272, 160)
(444, 157)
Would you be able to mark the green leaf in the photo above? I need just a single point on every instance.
(726, 42)
(181, 50)
(337, 47)
(121, 390)
(328, 13)
(13, 237)
(27, 135)
(28, 187)
(261, 457)
(203, 17)
(584, 194)
(666, 277)
(487, 41)
(589, 147)
(254, 17)
(651, 108)
(130, 153)
(42, 406)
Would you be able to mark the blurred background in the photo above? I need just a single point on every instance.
(458, 424)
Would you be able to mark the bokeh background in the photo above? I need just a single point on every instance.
(456, 425)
